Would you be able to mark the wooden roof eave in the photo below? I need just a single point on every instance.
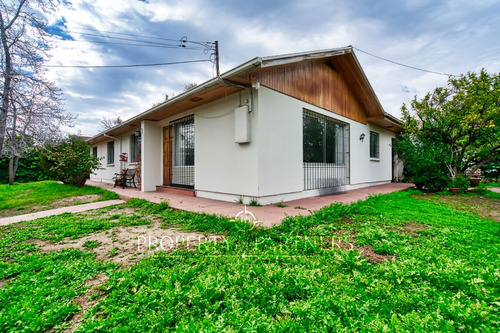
(388, 122)
(351, 70)
(207, 92)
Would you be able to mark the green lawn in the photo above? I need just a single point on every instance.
(29, 197)
(397, 262)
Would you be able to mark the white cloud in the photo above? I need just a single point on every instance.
(453, 36)
(159, 11)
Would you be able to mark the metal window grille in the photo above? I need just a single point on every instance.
(183, 153)
(325, 151)
(111, 152)
(374, 145)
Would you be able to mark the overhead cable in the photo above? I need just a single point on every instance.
(125, 66)
(400, 64)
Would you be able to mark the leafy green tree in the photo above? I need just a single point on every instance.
(456, 127)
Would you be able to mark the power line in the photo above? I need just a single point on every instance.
(134, 35)
(181, 42)
(126, 66)
(146, 43)
(400, 64)
(165, 46)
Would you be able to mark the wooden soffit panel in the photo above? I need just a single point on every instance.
(167, 110)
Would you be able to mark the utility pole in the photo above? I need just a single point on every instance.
(217, 57)
(208, 46)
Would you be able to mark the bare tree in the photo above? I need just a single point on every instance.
(190, 85)
(36, 113)
(107, 123)
(31, 107)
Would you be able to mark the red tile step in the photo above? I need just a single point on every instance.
(176, 190)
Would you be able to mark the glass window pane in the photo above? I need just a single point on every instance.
(313, 139)
(135, 151)
(111, 152)
(374, 145)
(330, 142)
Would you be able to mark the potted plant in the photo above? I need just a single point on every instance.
(118, 178)
(137, 169)
(459, 185)
(123, 161)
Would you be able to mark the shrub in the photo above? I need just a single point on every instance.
(460, 182)
(30, 168)
(72, 162)
(425, 162)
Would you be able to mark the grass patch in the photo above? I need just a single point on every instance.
(30, 197)
(254, 202)
(439, 271)
(91, 244)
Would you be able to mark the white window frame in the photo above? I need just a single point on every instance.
(111, 154)
(374, 146)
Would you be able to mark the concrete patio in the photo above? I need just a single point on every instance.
(269, 214)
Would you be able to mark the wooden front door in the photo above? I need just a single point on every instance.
(167, 155)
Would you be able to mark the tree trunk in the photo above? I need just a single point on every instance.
(13, 164)
(5, 100)
(7, 73)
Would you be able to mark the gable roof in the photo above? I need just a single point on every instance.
(341, 60)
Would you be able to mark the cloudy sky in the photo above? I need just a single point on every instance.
(448, 36)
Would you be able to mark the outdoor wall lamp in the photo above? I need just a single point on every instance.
(137, 133)
(362, 137)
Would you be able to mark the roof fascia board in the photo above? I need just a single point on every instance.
(297, 57)
(367, 82)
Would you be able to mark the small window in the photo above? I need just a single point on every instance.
(111, 152)
(135, 148)
(94, 151)
(374, 145)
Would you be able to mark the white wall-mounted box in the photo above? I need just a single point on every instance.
(241, 125)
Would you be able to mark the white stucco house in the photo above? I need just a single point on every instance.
(272, 129)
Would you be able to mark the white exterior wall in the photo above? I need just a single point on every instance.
(106, 172)
(151, 155)
(364, 170)
(281, 174)
(225, 169)
(280, 154)
(269, 167)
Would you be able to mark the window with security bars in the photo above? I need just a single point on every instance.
(183, 152)
(325, 151)
(374, 145)
(135, 148)
(111, 152)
